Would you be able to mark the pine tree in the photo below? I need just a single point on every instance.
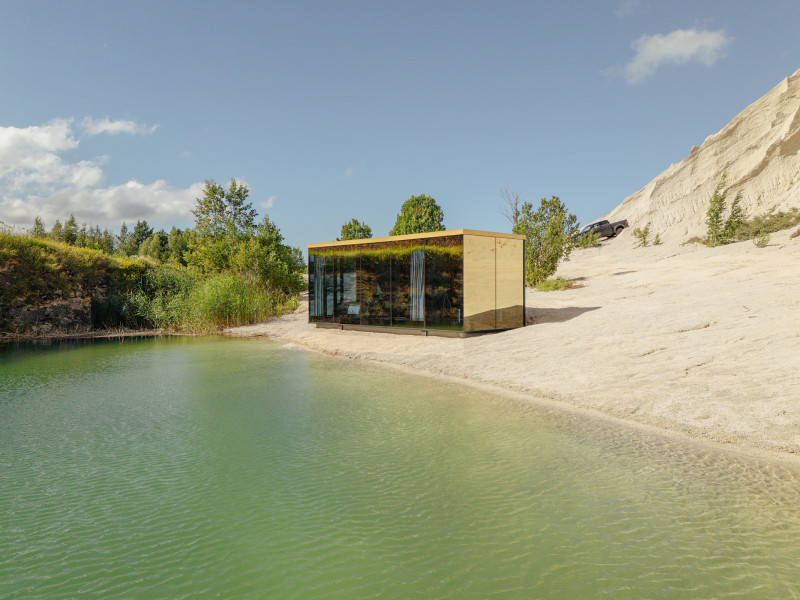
(70, 233)
(38, 230)
(57, 232)
(735, 219)
(715, 228)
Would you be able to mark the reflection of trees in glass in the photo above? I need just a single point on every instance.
(444, 281)
(375, 284)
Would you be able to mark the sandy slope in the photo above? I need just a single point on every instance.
(760, 152)
(700, 341)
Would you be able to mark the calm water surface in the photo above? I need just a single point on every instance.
(217, 468)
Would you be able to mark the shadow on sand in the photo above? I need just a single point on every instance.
(535, 316)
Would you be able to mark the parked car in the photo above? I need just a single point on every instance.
(604, 228)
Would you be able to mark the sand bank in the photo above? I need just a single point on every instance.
(700, 342)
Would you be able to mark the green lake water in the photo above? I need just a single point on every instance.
(219, 468)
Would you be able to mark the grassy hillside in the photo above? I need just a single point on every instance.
(49, 286)
(33, 271)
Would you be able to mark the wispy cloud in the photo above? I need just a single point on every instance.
(677, 48)
(269, 202)
(349, 171)
(627, 8)
(36, 180)
(106, 125)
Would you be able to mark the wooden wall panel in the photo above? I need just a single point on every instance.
(510, 291)
(479, 288)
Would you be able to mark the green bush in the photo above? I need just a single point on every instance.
(556, 285)
(769, 222)
(761, 240)
(587, 240)
(643, 235)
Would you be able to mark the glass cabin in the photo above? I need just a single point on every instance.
(446, 282)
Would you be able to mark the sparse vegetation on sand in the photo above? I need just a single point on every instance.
(557, 284)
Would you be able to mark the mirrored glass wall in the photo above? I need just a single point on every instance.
(417, 283)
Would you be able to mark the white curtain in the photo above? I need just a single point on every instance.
(418, 285)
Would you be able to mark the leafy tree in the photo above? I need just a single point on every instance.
(38, 230)
(155, 246)
(549, 230)
(70, 233)
(419, 214)
(354, 230)
(268, 262)
(178, 243)
(224, 213)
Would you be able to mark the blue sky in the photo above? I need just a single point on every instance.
(119, 111)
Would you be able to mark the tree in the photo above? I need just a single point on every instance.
(70, 233)
(735, 220)
(354, 230)
(178, 243)
(716, 206)
(266, 260)
(155, 246)
(512, 203)
(419, 214)
(57, 232)
(224, 213)
(140, 233)
(38, 230)
(719, 232)
(549, 230)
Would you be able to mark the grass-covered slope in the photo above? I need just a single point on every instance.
(48, 287)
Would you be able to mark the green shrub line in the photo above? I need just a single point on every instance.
(139, 293)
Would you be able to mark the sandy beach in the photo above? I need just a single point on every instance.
(694, 341)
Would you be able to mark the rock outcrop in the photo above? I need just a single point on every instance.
(59, 312)
(759, 150)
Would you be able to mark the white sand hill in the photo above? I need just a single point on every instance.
(758, 150)
(701, 342)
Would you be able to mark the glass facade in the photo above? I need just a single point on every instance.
(416, 283)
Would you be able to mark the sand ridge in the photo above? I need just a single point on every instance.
(759, 150)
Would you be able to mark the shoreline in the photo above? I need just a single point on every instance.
(696, 344)
(784, 459)
(22, 338)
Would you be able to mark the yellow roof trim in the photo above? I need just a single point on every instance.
(419, 236)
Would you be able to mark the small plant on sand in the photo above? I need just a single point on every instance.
(556, 285)
(795, 234)
(643, 235)
(761, 240)
(588, 240)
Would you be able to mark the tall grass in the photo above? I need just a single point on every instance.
(177, 299)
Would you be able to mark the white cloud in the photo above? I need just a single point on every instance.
(269, 202)
(677, 47)
(349, 171)
(35, 180)
(106, 125)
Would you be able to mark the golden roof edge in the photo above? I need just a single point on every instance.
(418, 236)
